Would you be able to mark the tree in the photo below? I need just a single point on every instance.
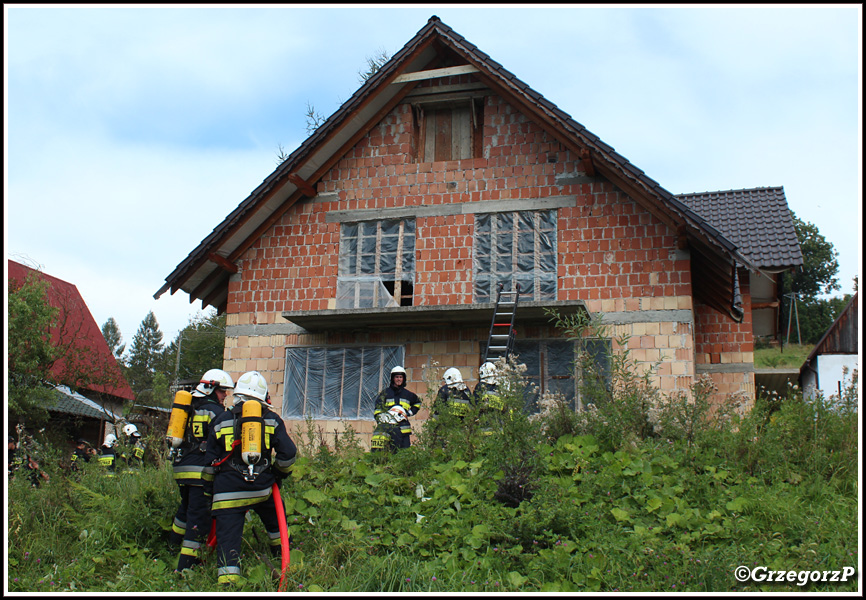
(145, 354)
(820, 267)
(198, 346)
(111, 333)
(816, 277)
(31, 354)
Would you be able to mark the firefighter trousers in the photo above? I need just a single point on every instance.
(229, 535)
(194, 517)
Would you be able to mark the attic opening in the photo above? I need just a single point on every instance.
(448, 117)
(450, 130)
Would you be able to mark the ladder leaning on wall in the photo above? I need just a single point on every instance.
(500, 342)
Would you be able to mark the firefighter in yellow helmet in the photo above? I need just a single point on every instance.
(249, 449)
(394, 405)
(192, 521)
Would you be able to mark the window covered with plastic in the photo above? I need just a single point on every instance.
(337, 382)
(549, 368)
(515, 247)
(377, 264)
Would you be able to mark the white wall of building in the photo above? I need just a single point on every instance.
(830, 368)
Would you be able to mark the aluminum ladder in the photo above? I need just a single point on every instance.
(500, 342)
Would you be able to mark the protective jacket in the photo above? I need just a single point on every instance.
(398, 396)
(232, 481)
(190, 465)
(453, 400)
(108, 459)
(487, 396)
(80, 454)
(394, 435)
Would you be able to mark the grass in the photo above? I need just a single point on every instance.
(653, 516)
(790, 356)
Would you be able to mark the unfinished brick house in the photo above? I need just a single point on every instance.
(383, 238)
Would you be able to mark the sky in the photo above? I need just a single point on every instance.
(132, 131)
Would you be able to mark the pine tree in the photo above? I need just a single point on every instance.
(145, 355)
(111, 333)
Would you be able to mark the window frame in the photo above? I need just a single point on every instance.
(401, 280)
(543, 273)
(295, 410)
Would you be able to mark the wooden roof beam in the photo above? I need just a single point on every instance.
(308, 190)
(586, 162)
(222, 262)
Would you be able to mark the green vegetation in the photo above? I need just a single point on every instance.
(790, 356)
(671, 496)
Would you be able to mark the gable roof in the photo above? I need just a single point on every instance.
(757, 220)
(89, 359)
(205, 272)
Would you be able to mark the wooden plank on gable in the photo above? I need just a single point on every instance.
(434, 73)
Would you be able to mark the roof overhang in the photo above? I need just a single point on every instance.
(529, 313)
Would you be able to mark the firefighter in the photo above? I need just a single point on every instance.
(133, 438)
(487, 396)
(192, 522)
(394, 405)
(249, 449)
(82, 453)
(108, 455)
(453, 397)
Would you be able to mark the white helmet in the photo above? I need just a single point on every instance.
(253, 385)
(110, 440)
(398, 370)
(212, 380)
(129, 429)
(487, 372)
(452, 377)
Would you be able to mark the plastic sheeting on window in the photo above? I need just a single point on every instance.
(364, 291)
(337, 382)
(513, 248)
(553, 358)
(374, 254)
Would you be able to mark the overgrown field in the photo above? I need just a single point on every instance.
(557, 503)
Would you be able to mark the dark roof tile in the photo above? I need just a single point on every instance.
(757, 220)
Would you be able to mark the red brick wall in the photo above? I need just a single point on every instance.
(610, 249)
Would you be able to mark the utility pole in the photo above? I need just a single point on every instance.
(791, 312)
(177, 360)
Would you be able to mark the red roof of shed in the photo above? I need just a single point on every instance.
(89, 364)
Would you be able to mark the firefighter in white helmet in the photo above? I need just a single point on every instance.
(136, 447)
(453, 397)
(394, 405)
(249, 449)
(192, 522)
(108, 455)
(488, 396)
